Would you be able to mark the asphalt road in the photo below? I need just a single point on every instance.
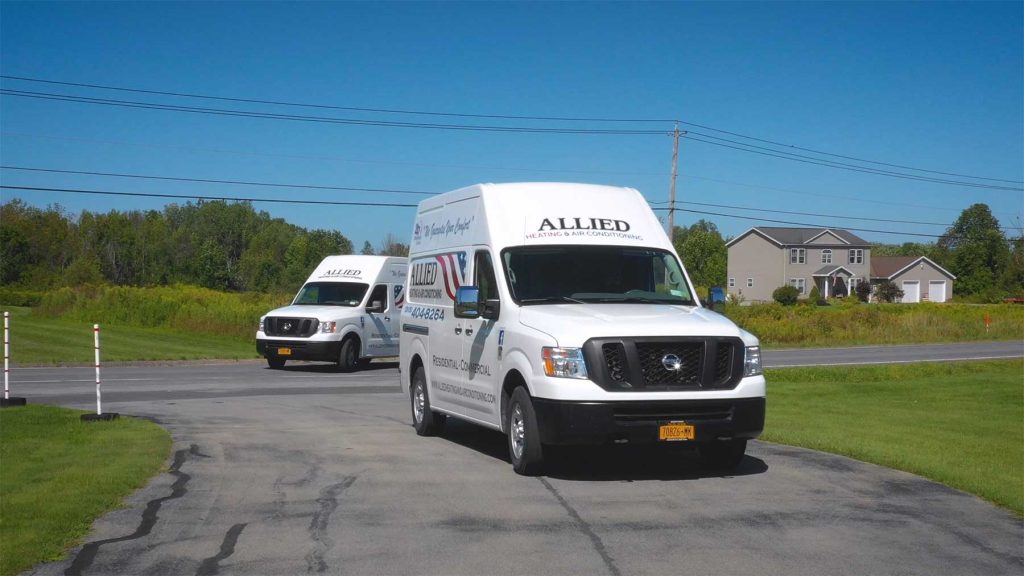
(309, 471)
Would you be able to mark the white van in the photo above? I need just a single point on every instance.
(347, 312)
(560, 314)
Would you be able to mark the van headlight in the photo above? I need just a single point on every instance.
(564, 362)
(260, 329)
(752, 361)
(328, 327)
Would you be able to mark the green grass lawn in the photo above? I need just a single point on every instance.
(961, 424)
(37, 339)
(58, 474)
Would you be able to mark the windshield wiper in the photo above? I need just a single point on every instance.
(551, 299)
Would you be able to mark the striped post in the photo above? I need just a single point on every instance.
(96, 337)
(7, 355)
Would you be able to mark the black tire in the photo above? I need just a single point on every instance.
(524, 447)
(275, 362)
(424, 420)
(348, 357)
(722, 454)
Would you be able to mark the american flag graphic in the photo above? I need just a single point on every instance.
(399, 296)
(453, 271)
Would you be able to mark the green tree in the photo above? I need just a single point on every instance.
(887, 291)
(705, 256)
(979, 252)
(367, 249)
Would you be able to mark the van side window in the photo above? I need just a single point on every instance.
(483, 272)
(379, 294)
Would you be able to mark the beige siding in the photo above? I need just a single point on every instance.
(756, 258)
(924, 272)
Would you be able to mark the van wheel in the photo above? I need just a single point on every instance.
(424, 420)
(275, 362)
(524, 447)
(722, 454)
(348, 358)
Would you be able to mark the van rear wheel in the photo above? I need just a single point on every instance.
(348, 357)
(424, 420)
(524, 447)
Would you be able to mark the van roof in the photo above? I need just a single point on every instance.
(524, 213)
(360, 268)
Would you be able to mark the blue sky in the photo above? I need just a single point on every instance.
(938, 86)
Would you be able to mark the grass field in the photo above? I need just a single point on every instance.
(37, 339)
(849, 323)
(961, 424)
(60, 473)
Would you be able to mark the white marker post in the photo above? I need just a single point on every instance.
(99, 415)
(96, 338)
(7, 400)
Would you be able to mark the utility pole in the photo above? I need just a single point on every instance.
(672, 189)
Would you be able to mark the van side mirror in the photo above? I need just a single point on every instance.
(375, 307)
(467, 302)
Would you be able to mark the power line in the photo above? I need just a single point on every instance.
(323, 119)
(396, 205)
(330, 158)
(332, 107)
(805, 224)
(422, 193)
(783, 145)
(750, 148)
(214, 181)
(497, 116)
(204, 197)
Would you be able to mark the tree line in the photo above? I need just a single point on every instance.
(230, 246)
(216, 244)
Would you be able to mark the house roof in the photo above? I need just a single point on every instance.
(800, 236)
(829, 270)
(889, 267)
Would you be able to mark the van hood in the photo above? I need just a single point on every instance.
(574, 324)
(318, 312)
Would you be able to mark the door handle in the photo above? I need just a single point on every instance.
(458, 329)
(469, 331)
(387, 319)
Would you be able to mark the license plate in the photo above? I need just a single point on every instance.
(284, 351)
(676, 431)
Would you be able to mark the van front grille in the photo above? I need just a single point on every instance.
(294, 327)
(664, 363)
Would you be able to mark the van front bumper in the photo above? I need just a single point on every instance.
(326, 351)
(574, 422)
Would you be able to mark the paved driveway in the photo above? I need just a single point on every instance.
(307, 471)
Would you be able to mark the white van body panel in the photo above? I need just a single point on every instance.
(468, 361)
(377, 332)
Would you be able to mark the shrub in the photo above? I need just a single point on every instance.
(887, 291)
(815, 296)
(864, 291)
(786, 295)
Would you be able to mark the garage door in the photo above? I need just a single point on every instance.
(937, 290)
(911, 291)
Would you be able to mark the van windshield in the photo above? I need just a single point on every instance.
(594, 274)
(331, 294)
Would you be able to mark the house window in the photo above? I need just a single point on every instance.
(750, 282)
(800, 285)
(732, 282)
(857, 256)
(853, 282)
(797, 256)
(826, 256)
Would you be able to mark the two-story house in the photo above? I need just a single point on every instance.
(764, 258)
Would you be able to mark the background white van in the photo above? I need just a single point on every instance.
(347, 312)
(561, 314)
